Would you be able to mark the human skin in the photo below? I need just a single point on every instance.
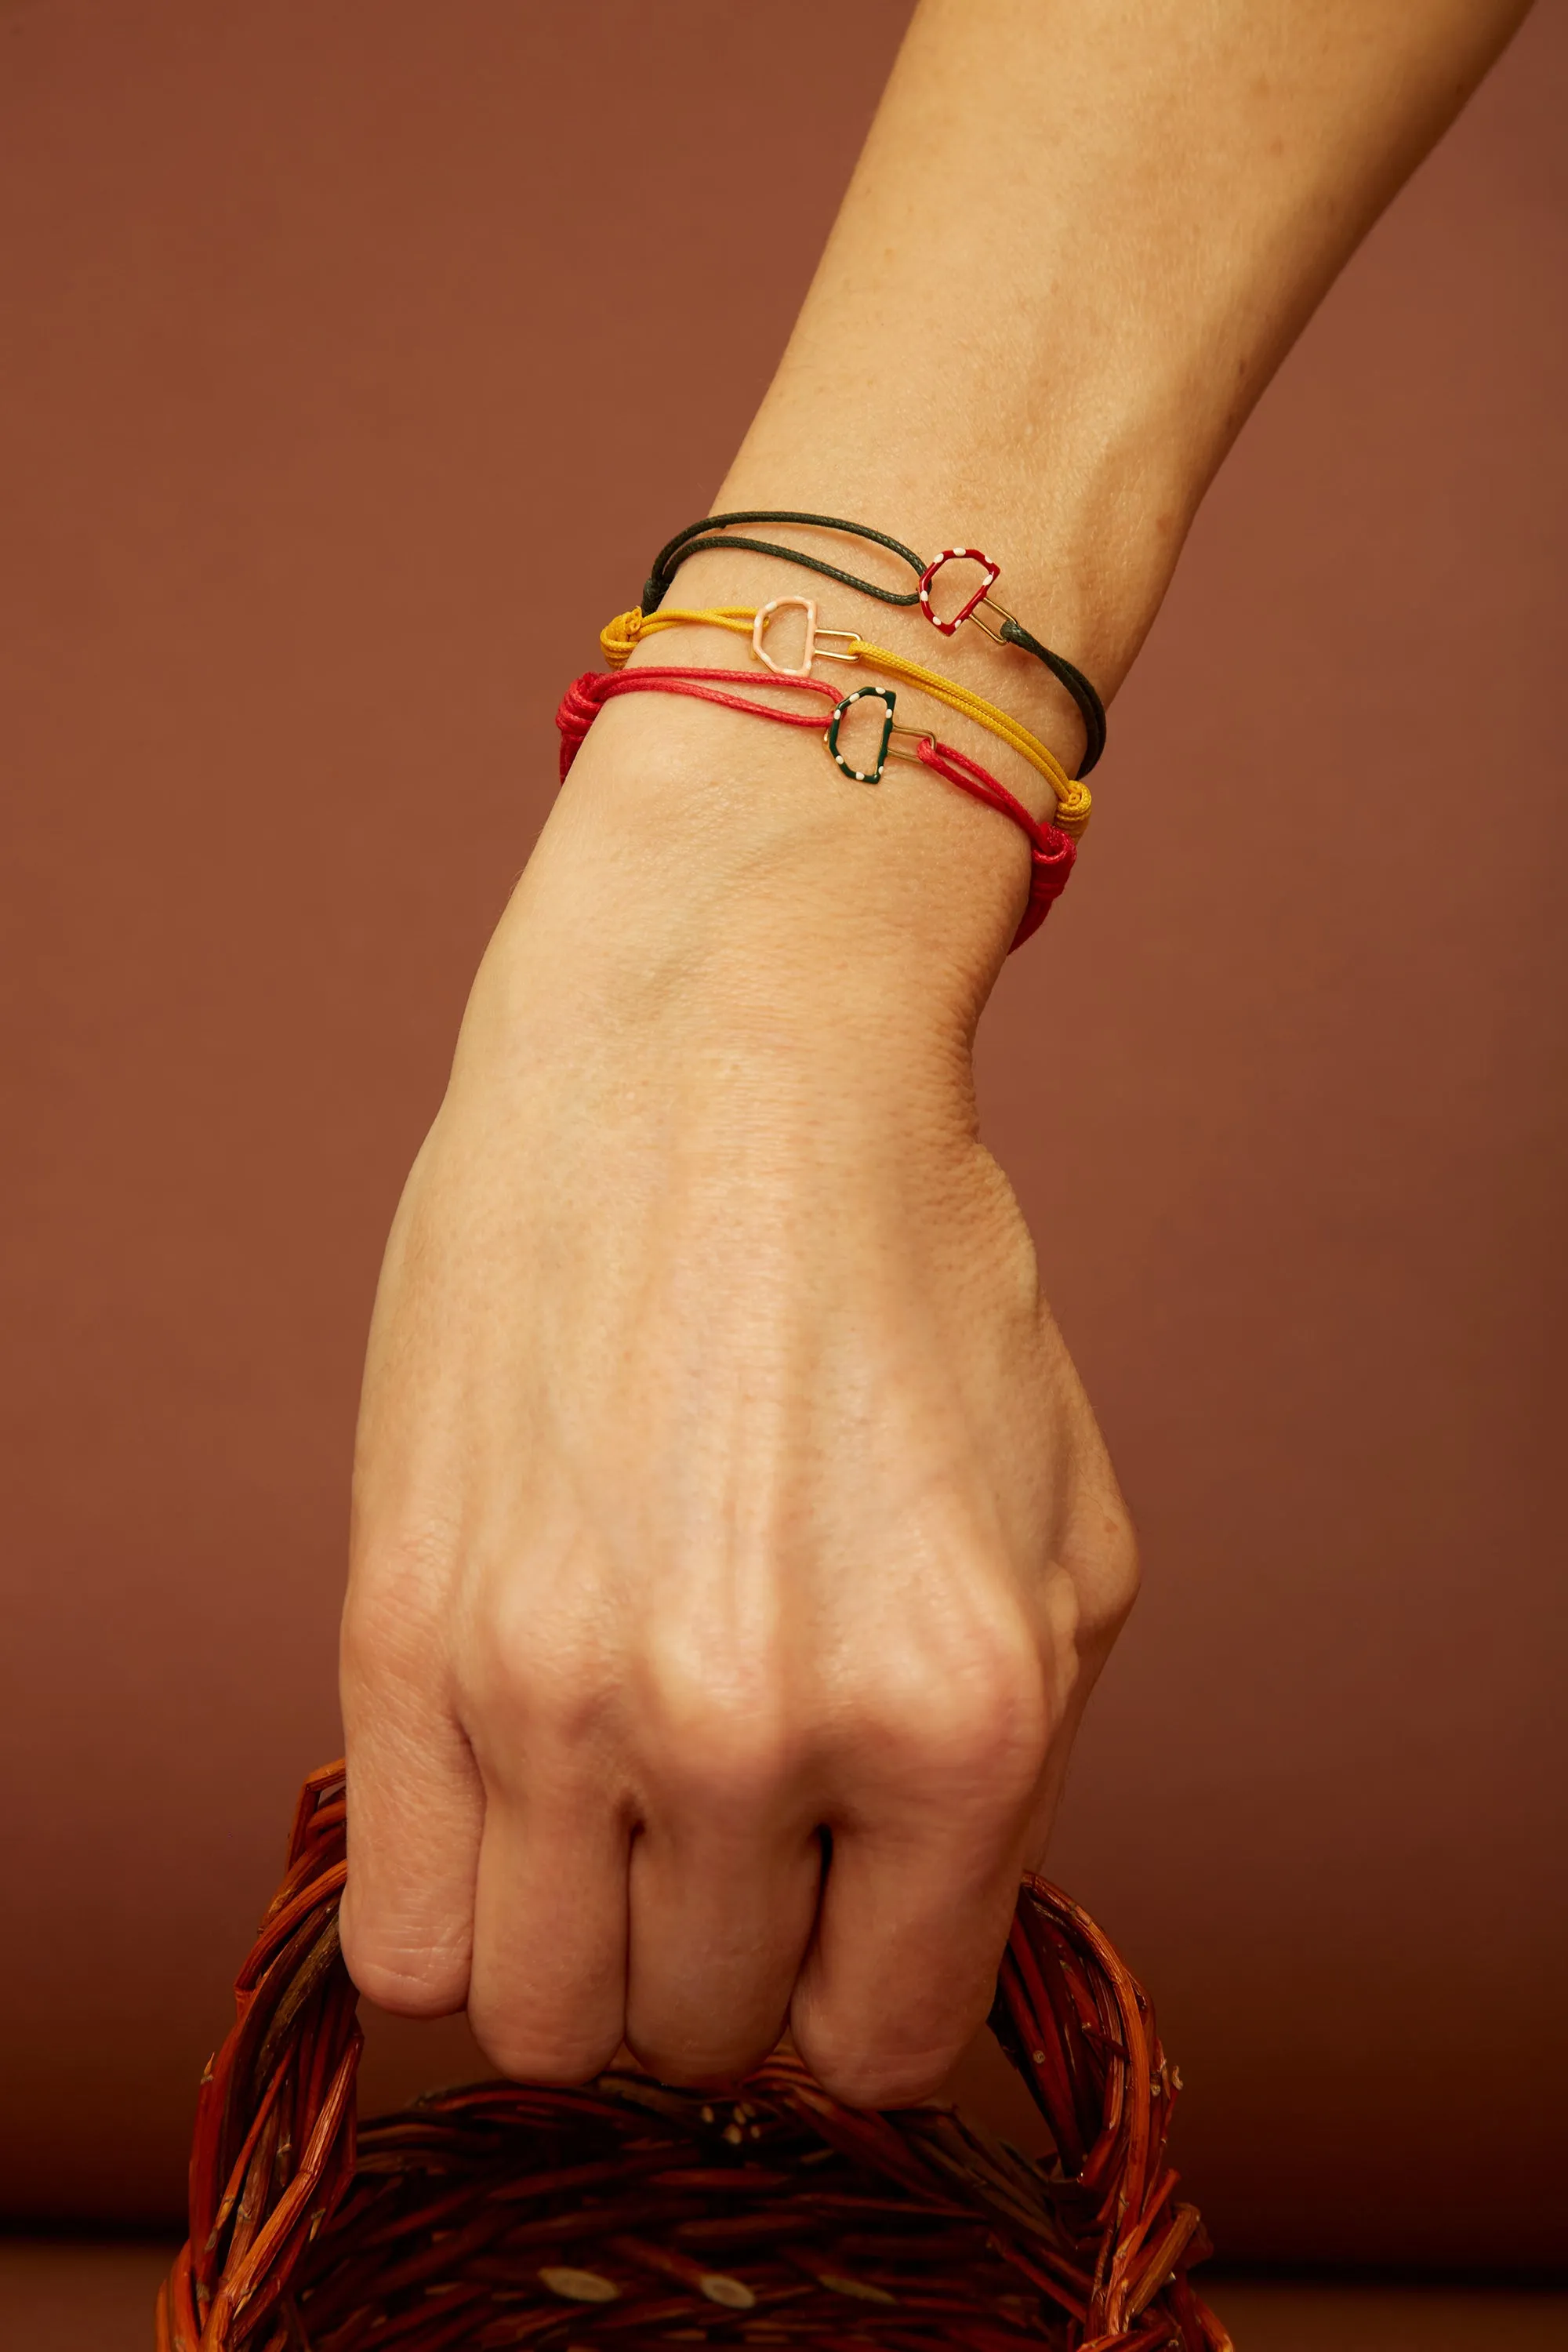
(733, 1546)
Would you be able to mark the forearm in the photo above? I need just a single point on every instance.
(723, 1479)
(1078, 243)
(1077, 246)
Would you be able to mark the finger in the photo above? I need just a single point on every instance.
(414, 1811)
(902, 1969)
(1077, 1642)
(721, 1914)
(547, 1988)
(1053, 1779)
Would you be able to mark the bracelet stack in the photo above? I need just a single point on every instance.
(981, 608)
(1052, 843)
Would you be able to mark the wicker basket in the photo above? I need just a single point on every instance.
(629, 2214)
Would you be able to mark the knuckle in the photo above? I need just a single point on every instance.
(726, 1762)
(859, 2076)
(392, 1612)
(403, 1552)
(894, 2042)
(565, 2055)
(410, 1977)
(546, 1667)
(1103, 1559)
(1123, 1568)
(971, 1711)
(698, 2063)
(718, 1727)
(378, 1647)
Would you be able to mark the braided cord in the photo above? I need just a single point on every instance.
(619, 638)
(586, 697)
(1072, 795)
(1091, 709)
(1073, 801)
(1051, 848)
(714, 531)
(711, 532)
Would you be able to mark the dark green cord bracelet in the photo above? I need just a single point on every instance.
(714, 531)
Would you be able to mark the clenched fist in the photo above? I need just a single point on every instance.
(735, 1548)
(733, 1545)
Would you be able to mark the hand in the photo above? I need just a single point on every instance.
(733, 1544)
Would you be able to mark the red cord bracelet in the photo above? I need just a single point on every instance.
(1051, 853)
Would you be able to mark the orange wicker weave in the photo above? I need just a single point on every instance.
(629, 2214)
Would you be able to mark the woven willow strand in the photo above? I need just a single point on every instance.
(628, 2214)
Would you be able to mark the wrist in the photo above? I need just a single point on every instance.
(698, 854)
(1008, 706)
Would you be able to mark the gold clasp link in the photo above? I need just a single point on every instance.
(989, 604)
(917, 736)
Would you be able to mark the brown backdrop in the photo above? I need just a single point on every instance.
(349, 385)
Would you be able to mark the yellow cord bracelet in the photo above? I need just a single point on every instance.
(628, 629)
